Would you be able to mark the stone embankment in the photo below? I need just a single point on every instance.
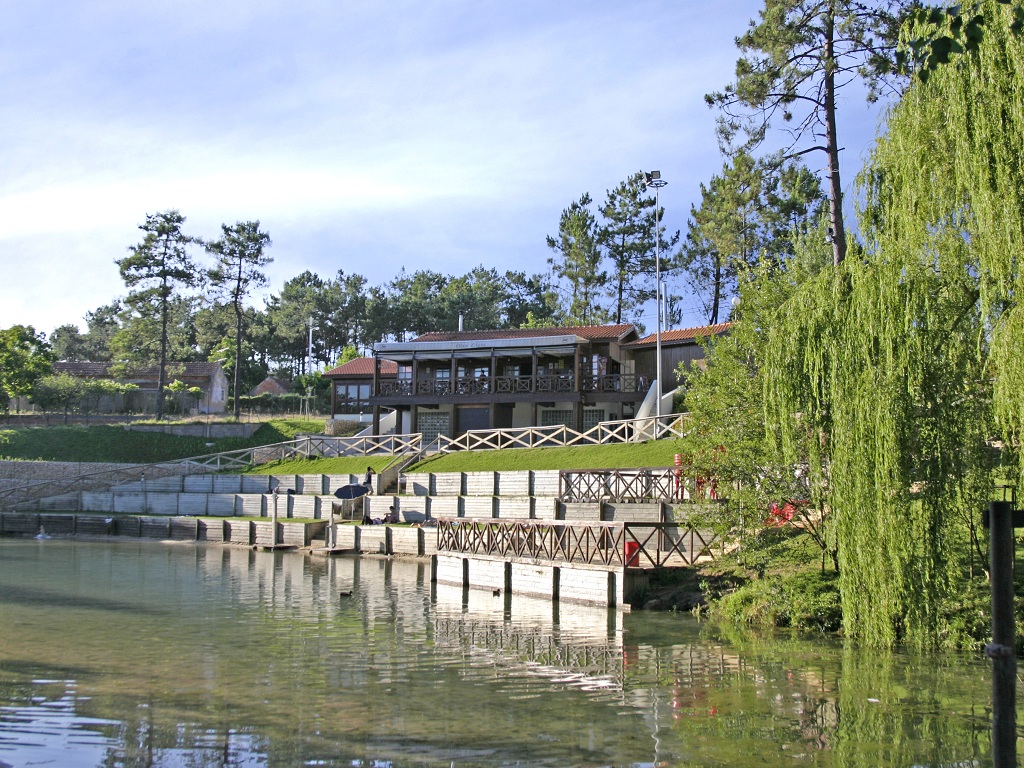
(16, 473)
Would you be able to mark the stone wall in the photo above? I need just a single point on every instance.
(14, 473)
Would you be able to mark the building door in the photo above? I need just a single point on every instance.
(469, 417)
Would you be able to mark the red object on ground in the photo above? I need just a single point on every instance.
(631, 552)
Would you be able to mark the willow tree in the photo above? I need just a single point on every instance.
(906, 360)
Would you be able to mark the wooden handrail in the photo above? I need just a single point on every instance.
(626, 545)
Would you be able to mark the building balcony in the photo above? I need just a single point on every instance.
(500, 388)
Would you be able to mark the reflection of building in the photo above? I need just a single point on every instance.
(449, 383)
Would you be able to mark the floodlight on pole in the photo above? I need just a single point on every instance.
(653, 179)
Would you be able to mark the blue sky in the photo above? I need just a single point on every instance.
(365, 136)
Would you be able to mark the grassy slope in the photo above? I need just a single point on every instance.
(342, 465)
(116, 444)
(656, 453)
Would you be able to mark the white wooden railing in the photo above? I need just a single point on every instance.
(623, 431)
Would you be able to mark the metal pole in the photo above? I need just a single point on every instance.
(653, 179)
(657, 270)
(1001, 649)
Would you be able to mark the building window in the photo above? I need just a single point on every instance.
(352, 398)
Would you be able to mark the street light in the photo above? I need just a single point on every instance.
(653, 179)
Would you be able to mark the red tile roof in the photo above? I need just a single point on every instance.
(363, 366)
(589, 332)
(684, 334)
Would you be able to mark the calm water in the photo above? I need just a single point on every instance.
(148, 654)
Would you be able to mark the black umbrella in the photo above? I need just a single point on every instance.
(353, 491)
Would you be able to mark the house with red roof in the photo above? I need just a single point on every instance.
(454, 381)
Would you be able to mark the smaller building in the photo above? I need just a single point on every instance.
(209, 377)
(679, 346)
(351, 386)
(270, 386)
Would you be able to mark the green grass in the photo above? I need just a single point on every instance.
(655, 453)
(343, 465)
(116, 444)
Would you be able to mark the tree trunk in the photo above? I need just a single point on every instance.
(717, 292)
(835, 190)
(162, 376)
(236, 410)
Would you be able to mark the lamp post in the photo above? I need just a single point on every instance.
(653, 179)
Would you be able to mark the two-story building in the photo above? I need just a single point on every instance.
(451, 382)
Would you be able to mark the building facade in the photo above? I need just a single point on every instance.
(452, 382)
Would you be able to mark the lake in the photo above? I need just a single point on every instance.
(136, 653)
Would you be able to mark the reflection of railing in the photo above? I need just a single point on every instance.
(545, 650)
(624, 431)
(654, 484)
(633, 545)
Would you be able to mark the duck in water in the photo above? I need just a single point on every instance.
(42, 533)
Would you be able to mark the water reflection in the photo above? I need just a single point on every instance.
(142, 654)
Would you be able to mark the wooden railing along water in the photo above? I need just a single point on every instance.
(632, 545)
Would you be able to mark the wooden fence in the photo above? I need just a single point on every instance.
(622, 545)
(645, 484)
(622, 431)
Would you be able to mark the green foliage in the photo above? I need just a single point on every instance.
(794, 59)
(71, 394)
(240, 260)
(905, 361)
(805, 601)
(156, 270)
(932, 36)
(627, 235)
(754, 210)
(25, 357)
(577, 261)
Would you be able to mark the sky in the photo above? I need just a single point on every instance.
(365, 137)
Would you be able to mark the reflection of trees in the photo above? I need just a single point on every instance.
(847, 708)
(231, 654)
(895, 710)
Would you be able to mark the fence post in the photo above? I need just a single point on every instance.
(1002, 648)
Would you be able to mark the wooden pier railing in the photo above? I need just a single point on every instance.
(622, 545)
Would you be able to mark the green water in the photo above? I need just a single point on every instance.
(172, 655)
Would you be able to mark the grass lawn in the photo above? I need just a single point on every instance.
(654, 453)
(116, 444)
(342, 465)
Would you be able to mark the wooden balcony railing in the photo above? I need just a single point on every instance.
(624, 545)
(469, 385)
